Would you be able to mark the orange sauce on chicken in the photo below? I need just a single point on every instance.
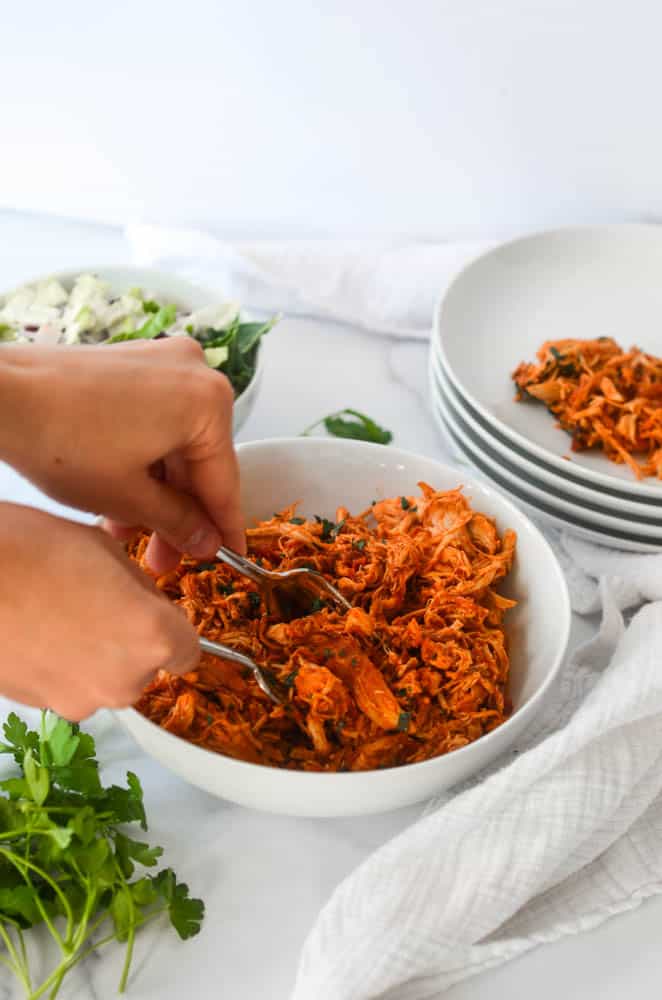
(417, 668)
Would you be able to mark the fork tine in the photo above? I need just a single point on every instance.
(228, 653)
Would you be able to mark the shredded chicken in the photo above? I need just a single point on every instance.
(417, 668)
(604, 398)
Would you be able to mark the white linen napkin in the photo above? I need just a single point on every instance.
(559, 837)
(387, 290)
(561, 834)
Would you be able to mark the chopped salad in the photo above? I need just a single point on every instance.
(91, 313)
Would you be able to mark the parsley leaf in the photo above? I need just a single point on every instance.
(18, 738)
(185, 913)
(362, 428)
(61, 741)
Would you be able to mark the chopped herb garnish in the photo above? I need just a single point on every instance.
(290, 679)
(555, 353)
(342, 653)
(203, 567)
(360, 545)
(210, 720)
(328, 527)
(317, 605)
(402, 693)
(225, 588)
(255, 599)
(355, 661)
(328, 653)
(362, 428)
(403, 721)
(297, 520)
(404, 503)
(330, 531)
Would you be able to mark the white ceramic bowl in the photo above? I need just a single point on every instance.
(169, 288)
(323, 473)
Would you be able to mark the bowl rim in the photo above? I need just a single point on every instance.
(68, 275)
(386, 773)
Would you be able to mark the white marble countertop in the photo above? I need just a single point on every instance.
(264, 878)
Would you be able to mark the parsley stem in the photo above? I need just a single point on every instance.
(310, 429)
(22, 863)
(16, 965)
(131, 936)
(24, 955)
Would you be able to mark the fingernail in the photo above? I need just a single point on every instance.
(203, 542)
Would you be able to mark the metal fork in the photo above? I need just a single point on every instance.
(296, 588)
(271, 687)
(288, 594)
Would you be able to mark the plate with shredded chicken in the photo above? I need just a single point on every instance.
(574, 317)
(446, 649)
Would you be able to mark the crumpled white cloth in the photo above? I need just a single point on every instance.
(388, 290)
(561, 836)
(564, 832)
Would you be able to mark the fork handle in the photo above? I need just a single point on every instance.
(243, 566)
(227, 653)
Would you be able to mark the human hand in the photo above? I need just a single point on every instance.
(82, 627)
(139, 432)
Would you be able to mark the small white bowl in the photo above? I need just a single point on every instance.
(323, 473)
(171, 289)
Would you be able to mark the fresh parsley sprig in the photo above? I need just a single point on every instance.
(65, 861)
(361, 428)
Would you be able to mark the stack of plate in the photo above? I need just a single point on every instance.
(579, 283)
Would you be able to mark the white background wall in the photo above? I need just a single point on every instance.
(284, 117)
